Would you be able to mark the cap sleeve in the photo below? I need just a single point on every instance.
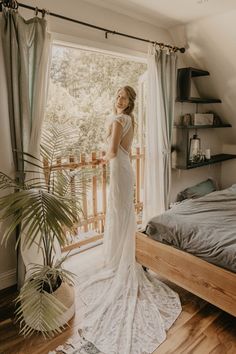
(120, 119)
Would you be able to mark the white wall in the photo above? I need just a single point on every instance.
(212, 46)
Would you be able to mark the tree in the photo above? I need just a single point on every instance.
(82, 87)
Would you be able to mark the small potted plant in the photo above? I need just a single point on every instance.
(40, 209)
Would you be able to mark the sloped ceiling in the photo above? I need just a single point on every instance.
(211, 45)
(167, 13)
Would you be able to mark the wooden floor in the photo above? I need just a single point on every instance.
(200, 329)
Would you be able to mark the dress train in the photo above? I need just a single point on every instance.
(126, 310)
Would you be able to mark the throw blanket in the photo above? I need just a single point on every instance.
(204, 227)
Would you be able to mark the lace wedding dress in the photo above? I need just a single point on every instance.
(127, 311)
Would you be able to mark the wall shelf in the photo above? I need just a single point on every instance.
(193, 72)
(214, 159)
(182, 148)
(198, 100)
(184, 81)
(224, 125)
(184, 78)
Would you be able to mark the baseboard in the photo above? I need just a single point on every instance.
(7, 279)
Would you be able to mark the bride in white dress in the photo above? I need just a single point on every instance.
(126, 310)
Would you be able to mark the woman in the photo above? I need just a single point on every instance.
(127, 311)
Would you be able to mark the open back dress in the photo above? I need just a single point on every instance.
(126, 310)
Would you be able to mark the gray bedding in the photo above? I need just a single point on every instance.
(204, 227)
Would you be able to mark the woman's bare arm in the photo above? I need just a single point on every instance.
(114, 141)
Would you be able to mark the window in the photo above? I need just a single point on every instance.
(82, 86)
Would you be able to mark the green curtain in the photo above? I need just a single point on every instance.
(161, 85)
(26, 50)
(167, 70)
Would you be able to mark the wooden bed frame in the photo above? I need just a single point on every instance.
(211, 283)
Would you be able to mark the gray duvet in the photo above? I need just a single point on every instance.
(204, 227)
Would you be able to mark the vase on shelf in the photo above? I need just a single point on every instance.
(194, 147)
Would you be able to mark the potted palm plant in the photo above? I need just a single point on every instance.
(39, 207)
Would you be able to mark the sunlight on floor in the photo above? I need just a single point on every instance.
(88, 259)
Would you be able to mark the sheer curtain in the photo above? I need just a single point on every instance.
(162, 68)
(26, 48)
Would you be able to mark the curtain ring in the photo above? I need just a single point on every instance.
(161, 45)
(45, 12)
(36, 11)
(11, 4)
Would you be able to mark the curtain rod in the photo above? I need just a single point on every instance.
(15, 4)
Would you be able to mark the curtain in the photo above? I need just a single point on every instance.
(26, 50)
(8, 254)
(161, 88)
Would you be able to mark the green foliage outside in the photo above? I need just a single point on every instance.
(81, 93)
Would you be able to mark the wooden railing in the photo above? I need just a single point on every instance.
(92, 177)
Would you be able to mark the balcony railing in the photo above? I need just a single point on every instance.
(93, 180)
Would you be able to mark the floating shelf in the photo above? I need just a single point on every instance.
(198, 100)
(196, 72)
(226, 125)
(214, 159)
(184, 79)
(183, 134)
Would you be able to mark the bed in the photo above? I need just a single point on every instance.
(194, 245)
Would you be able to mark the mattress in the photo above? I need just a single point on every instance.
(204, 227)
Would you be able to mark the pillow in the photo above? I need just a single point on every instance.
(197, 191)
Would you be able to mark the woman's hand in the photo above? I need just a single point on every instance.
(102, 161)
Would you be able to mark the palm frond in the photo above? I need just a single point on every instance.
(60, 182)
(53, 142)
(7, 182)
(37, 210)
(39, 310)
(34, 158)
(33, 164)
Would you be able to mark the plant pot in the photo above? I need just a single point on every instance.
(66, 295)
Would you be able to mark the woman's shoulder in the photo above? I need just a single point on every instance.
(120, 118)
(114, 116)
